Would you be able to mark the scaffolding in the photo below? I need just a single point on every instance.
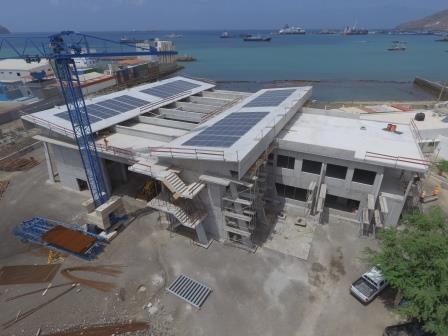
(243, 205)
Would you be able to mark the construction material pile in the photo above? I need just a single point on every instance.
(61, 237)
(19, 164)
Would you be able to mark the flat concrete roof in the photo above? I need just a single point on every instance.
(352, 138)
(49, 119)
(162, 130)
(262, 132)
(130, 142)
(432, 119)
(20, 65)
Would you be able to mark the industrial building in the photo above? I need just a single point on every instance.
(226, 165)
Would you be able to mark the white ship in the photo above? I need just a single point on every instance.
(287, 30)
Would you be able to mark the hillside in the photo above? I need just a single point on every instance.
(435, 22)
(3, 30)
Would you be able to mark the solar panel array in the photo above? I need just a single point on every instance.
(109, 108)
(227, 131)
(170, 89)
(270, 98)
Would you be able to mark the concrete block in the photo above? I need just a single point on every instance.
(89, 205)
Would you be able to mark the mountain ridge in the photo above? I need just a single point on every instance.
(435, 22)
(4, 30)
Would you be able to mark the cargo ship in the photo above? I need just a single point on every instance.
(354, 31)
(287, 30)
(130, 40)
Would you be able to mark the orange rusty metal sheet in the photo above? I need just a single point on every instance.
(70, 240)
(23, 274)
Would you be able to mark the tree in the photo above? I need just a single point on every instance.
(414, 260)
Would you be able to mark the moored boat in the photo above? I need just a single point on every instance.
(397, 46)
(256, 38)
(287, 30)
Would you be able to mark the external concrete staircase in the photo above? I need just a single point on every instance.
(179, 213)
(179, 189)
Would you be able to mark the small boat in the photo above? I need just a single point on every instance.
(130, 40)
(397, 46)
(287, 30)
(225, 35)
(173, 35)
(443, 39)
(256, 38)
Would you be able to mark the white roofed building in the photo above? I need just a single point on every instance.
(223, 159)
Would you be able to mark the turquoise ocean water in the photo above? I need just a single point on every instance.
(339, 67)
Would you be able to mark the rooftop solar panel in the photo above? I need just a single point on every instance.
(170, 89)
(135, 102)
(115, 105)
(270, 98)
(64, 115)
(227, 131)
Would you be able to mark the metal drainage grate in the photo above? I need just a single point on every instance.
(189, 290)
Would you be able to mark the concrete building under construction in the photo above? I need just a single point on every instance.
(225, 165)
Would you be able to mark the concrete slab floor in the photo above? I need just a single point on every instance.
(266, 293)
(291, 239)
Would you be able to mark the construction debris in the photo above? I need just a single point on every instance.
(3, 187)
(40, 290)
(20, 316)
(111, 270)
(35, 229)
(103, 329)
(25, 274)
(19, 164)
(54, 257)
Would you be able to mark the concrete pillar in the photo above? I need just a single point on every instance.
(124, 172)
(49, 162)
(349, 178)
(377, 184)
(202, 236)
(106, 178)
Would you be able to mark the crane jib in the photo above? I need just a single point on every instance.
(63, 48)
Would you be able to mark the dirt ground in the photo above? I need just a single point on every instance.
(262, 293)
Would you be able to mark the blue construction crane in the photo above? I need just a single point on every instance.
(62, 49)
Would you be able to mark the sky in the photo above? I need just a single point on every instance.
(115, 15)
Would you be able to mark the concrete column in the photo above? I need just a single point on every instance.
(202, 236)
(49, 162)
(106, 177)
(124, 172)
(349, 178)
(377, 184)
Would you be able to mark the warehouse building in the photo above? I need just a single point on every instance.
(226, 164)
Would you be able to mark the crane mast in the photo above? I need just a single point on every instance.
(62, 49)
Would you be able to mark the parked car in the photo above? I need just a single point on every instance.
(406, 329)
(368, 286)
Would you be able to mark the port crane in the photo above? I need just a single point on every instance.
(61, 50)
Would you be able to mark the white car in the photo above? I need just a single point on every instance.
(368, 286)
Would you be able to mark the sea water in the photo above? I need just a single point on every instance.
(339, 67)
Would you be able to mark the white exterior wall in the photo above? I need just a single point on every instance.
(69, 167)
(346, 188)
(86, 90)
(16, 74)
